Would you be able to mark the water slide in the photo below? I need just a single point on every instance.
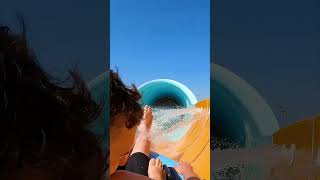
(304, 136)
(194, 145)
(240, 112)
(251, 121)
(240, 116)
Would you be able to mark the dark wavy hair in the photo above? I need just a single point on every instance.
(124, 101)
(44, 122)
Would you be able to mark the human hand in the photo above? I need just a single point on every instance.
(185, 169)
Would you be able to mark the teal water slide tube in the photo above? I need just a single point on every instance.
(239, 111)
(157, 89)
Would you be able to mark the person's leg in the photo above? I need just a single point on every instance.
(142, 142)
(138, 161)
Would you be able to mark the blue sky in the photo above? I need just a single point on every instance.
(274, 45)
(162, 39)
(63, 33)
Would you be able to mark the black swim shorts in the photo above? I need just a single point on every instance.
(138, 163)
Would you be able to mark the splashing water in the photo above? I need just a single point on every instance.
(261, 162)
(169, 125)
(170, 128)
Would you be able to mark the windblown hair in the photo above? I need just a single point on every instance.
(124, 102)
(44, 122)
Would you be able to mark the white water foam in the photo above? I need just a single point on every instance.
(171, 124)
(262, 162)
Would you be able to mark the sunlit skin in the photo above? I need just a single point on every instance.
(185, 169)
(155, 166)
(121, 143)
(125, 142)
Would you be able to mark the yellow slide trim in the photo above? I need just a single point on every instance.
(194, 146)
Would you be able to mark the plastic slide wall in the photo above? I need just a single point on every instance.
(239, 112)
(194, 146)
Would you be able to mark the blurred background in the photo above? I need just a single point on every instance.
(63, 34)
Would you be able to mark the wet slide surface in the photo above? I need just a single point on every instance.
(194, 146)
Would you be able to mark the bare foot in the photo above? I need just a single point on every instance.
(155, 170)
(147, 119)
